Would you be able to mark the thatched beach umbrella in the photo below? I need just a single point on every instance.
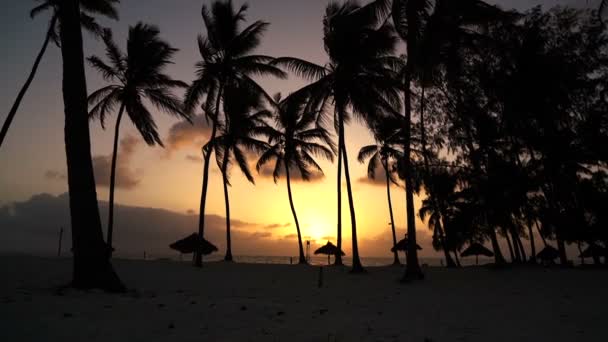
(402, 246)
(548, 254)
(189, 245)
(329, 249)
(477, 249)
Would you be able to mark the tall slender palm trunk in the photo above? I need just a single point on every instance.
(357, 266)
(412, 269)
(228, 256)
(338, 256)
(198, 256)
(92, 268)
(113, 180)
(390, 210)
(295, 216)
(28, 82)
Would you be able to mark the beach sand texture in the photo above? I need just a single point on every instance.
(173, 301)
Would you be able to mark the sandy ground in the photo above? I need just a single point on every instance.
(245, 302)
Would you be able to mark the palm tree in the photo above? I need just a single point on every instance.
(360, 76)
(87, 9)
(243, 122)
(383, 154)
(438, 206)
(92, 267)
(226, 57)
(138, 76)
(293, 143)
(409, 17)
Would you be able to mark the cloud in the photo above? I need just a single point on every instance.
(186, 135)
(261, 235)
(290, 236)
(54, 175)
(126, 178)
(277, 225)
(194, 159)
(190, 212)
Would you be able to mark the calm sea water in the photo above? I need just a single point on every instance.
(321, 260)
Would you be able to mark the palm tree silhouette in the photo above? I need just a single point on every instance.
(243, 122)
(383, 154)
(139, 75)
(226, 57)
(360, 76)
(88, 8)
(439, 207)
(293, 144)
(92, 268)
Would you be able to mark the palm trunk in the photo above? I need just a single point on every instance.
(338, 256)
(446, 251)
(295, 217)
(228, 256)
(207, 158)
(542, 237)
(390, 210)
(412, 269)
(532, 244)
(457, 259)
(506, 233)
(113, 180)
(524, 257)
(28, 82)
(518, 253)
(499, 259)
(357, 266)
(561, 247)
(92, 268)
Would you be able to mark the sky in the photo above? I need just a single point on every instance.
(32, 158)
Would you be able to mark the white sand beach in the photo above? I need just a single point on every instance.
(172, 301)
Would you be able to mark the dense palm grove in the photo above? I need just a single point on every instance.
(496, 119)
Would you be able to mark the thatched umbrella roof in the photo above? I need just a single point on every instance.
(476, 249)
(594, 250)
(189, 245)
(548, 253)
(402, 246)
(329, 249)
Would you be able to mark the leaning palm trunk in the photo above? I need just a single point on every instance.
(198, 262)
(390, 210)
(295, 217)
(532, 244)
(338, 256)
(499, 259)
(228, 256)
(28, 82)
(412, 269)
(92, 268)
(113, 180)
(449, 262)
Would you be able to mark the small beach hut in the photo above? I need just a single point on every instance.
(477, 249)
(189, 245)
(548, 255)
(329, 249)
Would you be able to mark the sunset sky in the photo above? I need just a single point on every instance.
(32, 158)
